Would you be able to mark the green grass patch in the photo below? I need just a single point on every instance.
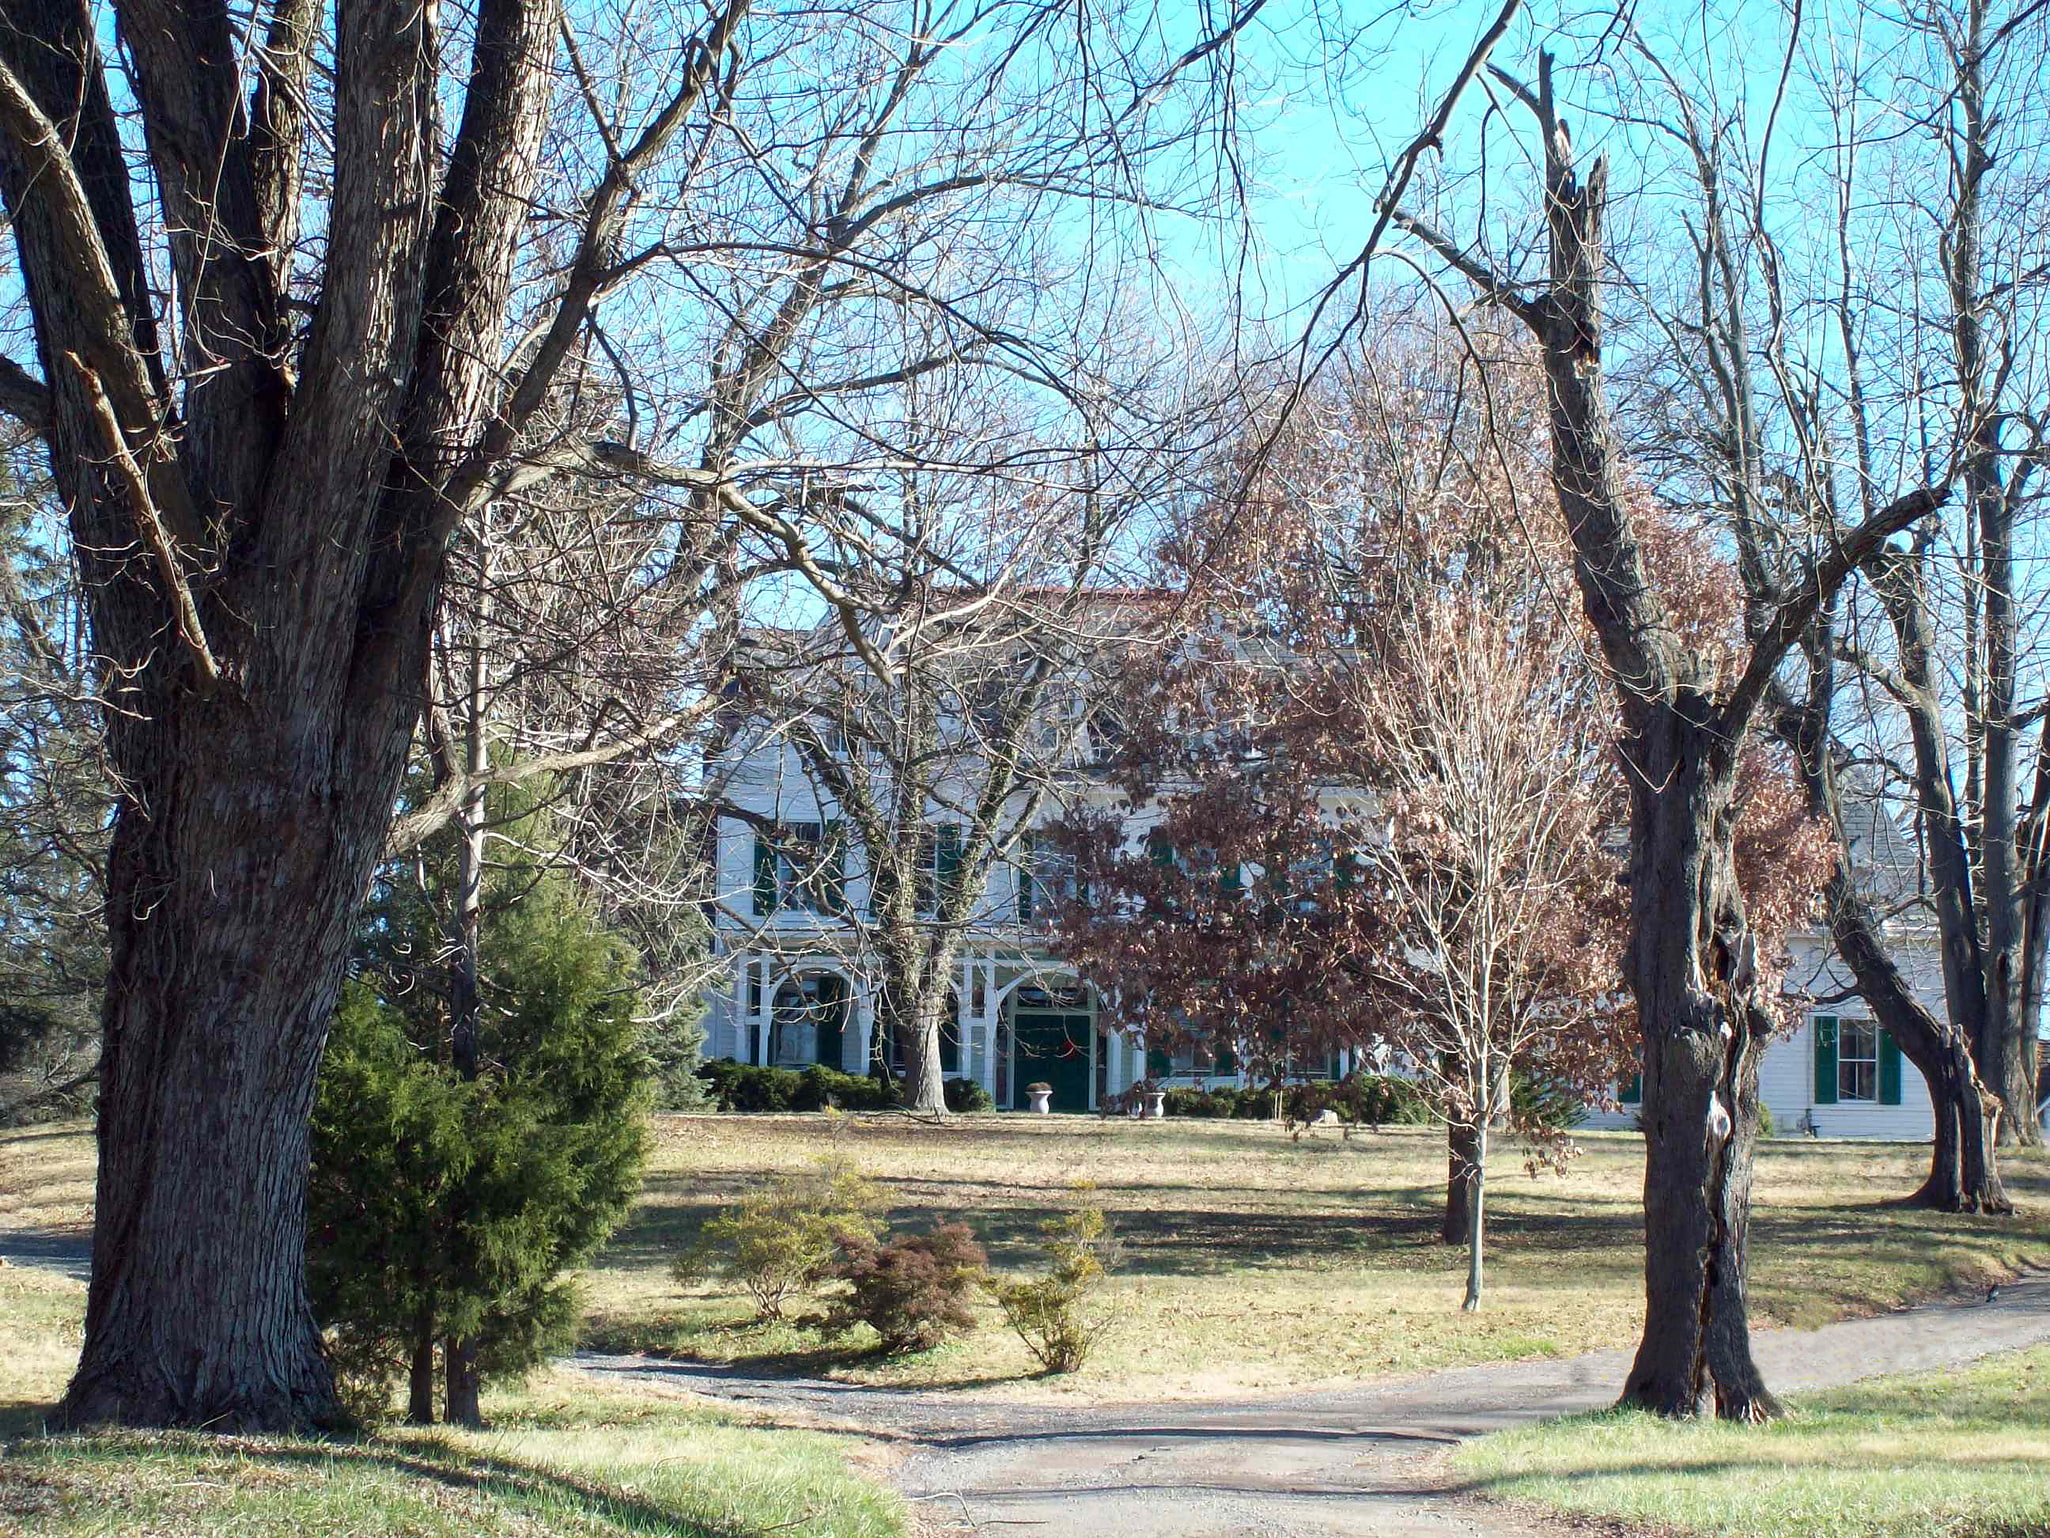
(564, 1456)
(1958, 1453)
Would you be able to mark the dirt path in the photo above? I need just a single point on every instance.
(48, 1250)
(1356, 1461)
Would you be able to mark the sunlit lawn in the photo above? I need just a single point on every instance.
(1961, 1452)
(564, 1458)
(1253, 1261)
(1256, 1261)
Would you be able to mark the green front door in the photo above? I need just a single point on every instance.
(1053, 1049)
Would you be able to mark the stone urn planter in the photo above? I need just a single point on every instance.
(1155, 1104)
(1039, 1098)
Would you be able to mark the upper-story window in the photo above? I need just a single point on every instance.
(1046, 878)
(939, 863)
(800, 865)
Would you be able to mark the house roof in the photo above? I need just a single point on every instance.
(1883, 860)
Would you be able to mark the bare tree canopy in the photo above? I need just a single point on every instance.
(310, 289)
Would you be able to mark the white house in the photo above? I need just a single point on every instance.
(1839, 1074)
(798, 978)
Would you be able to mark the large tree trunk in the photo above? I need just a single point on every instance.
(1691, 970)
(260, 521)
(236, 867)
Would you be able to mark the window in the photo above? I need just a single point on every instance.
(800, 865)
(939, 864)
(1046, 878)
(807, 1023)
(1857, 1060)
(1856, 1063)
(1197, 1057)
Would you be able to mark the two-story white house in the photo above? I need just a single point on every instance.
(799, 974)
(793, 924)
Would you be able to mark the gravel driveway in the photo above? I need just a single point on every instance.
(1352, 1461)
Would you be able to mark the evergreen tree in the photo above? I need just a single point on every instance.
(444, 1206)
(54, 812)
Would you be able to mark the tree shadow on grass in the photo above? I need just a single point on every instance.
(518, 1484)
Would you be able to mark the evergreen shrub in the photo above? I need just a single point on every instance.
(441, 1206)
(967, 1095)
(735, 1086)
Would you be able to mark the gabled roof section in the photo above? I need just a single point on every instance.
(1883, 859)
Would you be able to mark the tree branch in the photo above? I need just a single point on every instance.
(440, 808)
(24, 397)
(1851, 550)
(170, 566)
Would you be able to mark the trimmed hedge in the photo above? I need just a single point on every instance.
(747, 1087)
(732, 1086)
(1372, 1100)
(967, 1095)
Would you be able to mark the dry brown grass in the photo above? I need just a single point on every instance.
(46, 1178)
(1255, 1262)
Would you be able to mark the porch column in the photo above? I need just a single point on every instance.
(861, 1027)
(758, 1021)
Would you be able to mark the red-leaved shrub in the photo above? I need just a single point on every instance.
(912, 1291)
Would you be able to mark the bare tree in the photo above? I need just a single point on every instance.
(1692, 955)
(938, 746)
(283, 355)
(1487, 768)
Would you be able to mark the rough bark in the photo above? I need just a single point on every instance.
(910, 1009)
(1460, 1144)
(1690, 969)
(265, 658)
(1690, 957)
(924, 1088)
(1689, 962)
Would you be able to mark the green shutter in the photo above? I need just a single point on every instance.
(1825, 1059)
(1227, 1060)
(832, 1020)
(947, 862)
(1025, 866)
(1633, 1092)
(1889, 1069)
(1159, 850)
(1158, 1063)
(765, 873)
(1230, 882)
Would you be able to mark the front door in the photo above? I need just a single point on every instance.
(1052, 1049)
